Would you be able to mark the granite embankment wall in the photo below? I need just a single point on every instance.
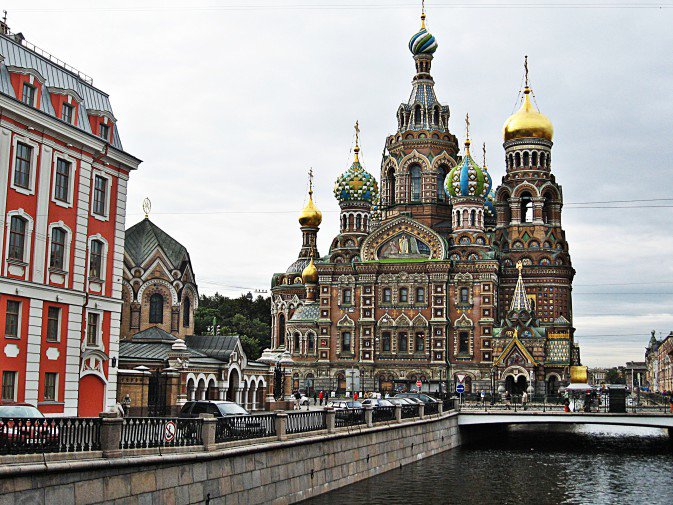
(266, 471)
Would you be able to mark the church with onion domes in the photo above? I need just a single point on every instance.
(436, 276)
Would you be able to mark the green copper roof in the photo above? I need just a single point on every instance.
(143, 237)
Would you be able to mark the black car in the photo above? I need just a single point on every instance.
(216, 407)
(419, 396)
(232, 422)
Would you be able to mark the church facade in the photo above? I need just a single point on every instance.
(435, 275)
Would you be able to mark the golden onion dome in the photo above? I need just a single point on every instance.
(527, 122)
(310, 273)
(310, 215)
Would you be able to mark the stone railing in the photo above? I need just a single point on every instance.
(112, 436)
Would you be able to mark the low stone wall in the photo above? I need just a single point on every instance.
(268, 471)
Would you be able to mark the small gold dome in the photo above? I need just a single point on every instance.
(310, 273)
(310, 215)
(527, 122)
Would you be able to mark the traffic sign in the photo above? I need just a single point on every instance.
(169, 431)
(460, 377)
(460, 388)
(418, 384)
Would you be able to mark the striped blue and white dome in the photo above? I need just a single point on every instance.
(467, 178)
(422, 42)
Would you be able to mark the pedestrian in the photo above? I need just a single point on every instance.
(297, 397)
(566, 404)
(524, 400)
(321, 396)
(355, 396)
(508, 400)
(670, 401)
(483, 397)
(315, 398)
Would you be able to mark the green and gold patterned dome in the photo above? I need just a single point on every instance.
(356, 184)
(467, 178)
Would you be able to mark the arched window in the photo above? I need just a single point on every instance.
(350, 222)
(385, 341)
(390, 184)
(415, 183)
(417, 115)
(547, 206)
(526, 207)
(436, 116)
(387, 295)
(57, 248)
(186, 312)
(542, 159)
(441, 176)
(404, 295)
(358, 222)
(534, 156)
(156, 308)
(281, 330)
(517, 160)
(365, 224)
(346, 341)
(402, 342)
(311, 342)
(511, 160)
(473, 217)
(17, 238)
(420, 295)
(420, 342)
(296, 342)
(526, 158)
(457, 218)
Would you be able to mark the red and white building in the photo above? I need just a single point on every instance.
(63, 177)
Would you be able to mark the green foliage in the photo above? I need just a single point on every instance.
(248, 318)
(614, 376)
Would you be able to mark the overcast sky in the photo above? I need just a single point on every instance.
(229, 103)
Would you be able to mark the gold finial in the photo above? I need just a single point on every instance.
(519, 266)
(422, 14)
(147, 207)
(467, 133)
(484, 151)
(516, 332)
(357, 140)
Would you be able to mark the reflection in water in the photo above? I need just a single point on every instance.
(539, 465)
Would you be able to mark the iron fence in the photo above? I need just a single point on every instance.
(302, 422)
(51, 434)
(431, 408)
(349, 417)
(409, 411)
(245, 427)
(382, 414)
(143, 432)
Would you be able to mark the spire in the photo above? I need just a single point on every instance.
(467, 134)
(520, 299)
(310, 215)
(483, 147)
(422, 14)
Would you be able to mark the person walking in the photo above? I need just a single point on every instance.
(297, 397)
(320, 396)
(524, 400)
(508, 400)
(483, 398)
(566, 404)
(670, 401)
(315, 398)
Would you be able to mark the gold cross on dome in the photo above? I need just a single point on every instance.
(357, 133)
(484, 148)
(525, 68)
(356, 184)
(467, 126)
(310, 181)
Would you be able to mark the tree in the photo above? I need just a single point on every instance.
(246, 317)
(614, 376)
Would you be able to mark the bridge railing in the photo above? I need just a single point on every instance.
(144, 432)
(51, 434)
(112, 435)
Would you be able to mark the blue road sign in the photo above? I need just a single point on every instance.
(460, 388)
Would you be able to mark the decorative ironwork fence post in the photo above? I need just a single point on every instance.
(281, 425)
(111, 434)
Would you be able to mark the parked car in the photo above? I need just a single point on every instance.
(402, 401)
(377, 402)
(216, 407)
(23, 424)
(420, 396)
(344, 404)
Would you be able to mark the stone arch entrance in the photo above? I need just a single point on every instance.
(553, 385)
(201, 390)
(234, 386)
(516, 385)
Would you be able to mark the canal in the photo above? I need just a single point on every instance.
(538, 465)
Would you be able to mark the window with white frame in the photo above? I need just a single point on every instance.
(104, 131)
(93, 329)
(100, 195)
(13, 319)
(23, 166)
(96, 259)
(28, 95)
(67, 112)
(57, 256)
(17, 238)
(62, 181)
